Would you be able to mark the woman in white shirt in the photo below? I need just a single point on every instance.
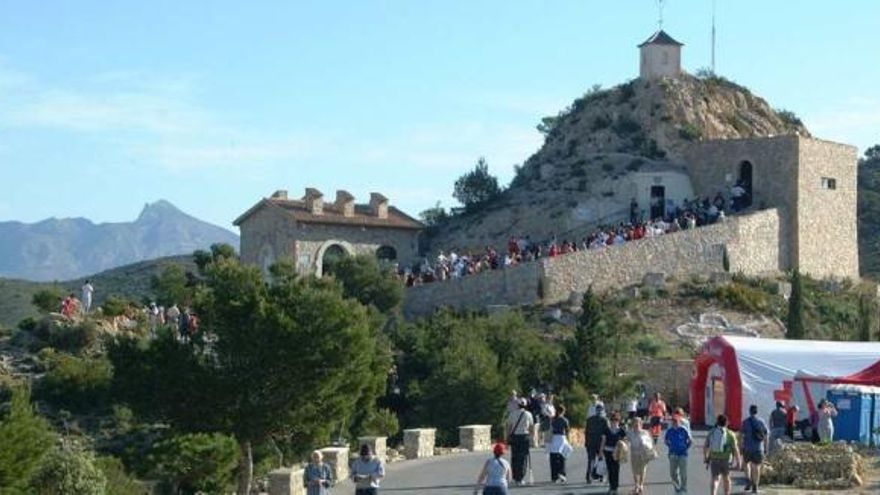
(495, 475)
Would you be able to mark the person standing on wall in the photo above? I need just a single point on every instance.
(495, 475)
(519, 429)
(755, 438)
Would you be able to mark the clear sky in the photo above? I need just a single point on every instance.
(105, 106)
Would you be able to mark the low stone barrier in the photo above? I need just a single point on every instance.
(814, 467)
(379, 446)
(475, 438)
(337, 457)
(286, 481)
(418, 443)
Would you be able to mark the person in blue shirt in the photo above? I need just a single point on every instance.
(678, 441)
(755, 439)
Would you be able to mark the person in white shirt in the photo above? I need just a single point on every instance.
(87, 291)
(519, 427)
(366, 472)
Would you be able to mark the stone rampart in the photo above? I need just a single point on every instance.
(750, 244)
(514, 285)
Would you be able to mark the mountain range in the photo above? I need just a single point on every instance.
(69, 248)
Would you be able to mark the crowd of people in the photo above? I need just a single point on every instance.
(689, 215)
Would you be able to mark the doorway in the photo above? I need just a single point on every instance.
(658, 202)
(332, 255)
(745, 181)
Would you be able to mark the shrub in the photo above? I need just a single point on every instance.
(47, 300)
(627, 91)
(25, 438)
(76, 384)
(114, 306)
(626, 125)
(119, 482)
(743, 297)
(635, 164)
(196, 462)
(789, 117)
(689, 132)
(28, 324)
(73, 338)
(600, 122)
(69, 470)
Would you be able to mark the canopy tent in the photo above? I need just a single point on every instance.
(731, 372)
(809, 389)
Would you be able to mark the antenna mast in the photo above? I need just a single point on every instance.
(713, 37)
(660, 14)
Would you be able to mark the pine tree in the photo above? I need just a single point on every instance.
(867, 320)
(589, 355)
(796, 309)
(25, 439)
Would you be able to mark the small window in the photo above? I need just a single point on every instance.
(829, 183)
(665, 57)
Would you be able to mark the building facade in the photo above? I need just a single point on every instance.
(310, 232)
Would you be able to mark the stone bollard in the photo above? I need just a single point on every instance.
(286, 481)
(379, 446)
(418, 443)
(337, 457)
(475, 438)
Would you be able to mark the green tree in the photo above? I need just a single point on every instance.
(69, 470)
(47, 300)
(796, 328)
(170, 286)
(434, 216)
(26, 439)
(477, 186)
(287, 360)
(362, 278)
(119, 482)
(196, 462)
(586, 355)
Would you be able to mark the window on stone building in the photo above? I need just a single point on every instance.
(386, 253)
(829, 183)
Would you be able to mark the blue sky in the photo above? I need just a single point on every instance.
(105, 106)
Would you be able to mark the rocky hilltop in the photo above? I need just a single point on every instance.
(64, 249)
(572, 182)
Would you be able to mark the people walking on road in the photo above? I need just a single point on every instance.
(519, 428)
(548, 412)
(559, 447)
(678, 441)
(755, 438)
(594, 402)
(642, 451)
(608, 447)
(87, 292)
(317, 476)
(596, 426)
(719, 451)
(827, 413)
(657, 412)
(778, 425)
(367, 472)
(790, 418)
(535, 407)
(495, 475)
(683, 417)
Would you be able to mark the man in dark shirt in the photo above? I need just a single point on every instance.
(778, 419)
(596, 426)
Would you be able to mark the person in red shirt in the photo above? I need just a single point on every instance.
(657, 412)
(790, 416)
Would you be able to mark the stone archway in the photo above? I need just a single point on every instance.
(332, 249)
(386, 253)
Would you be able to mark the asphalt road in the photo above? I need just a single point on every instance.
(456, 474)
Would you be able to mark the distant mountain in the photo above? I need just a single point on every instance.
(64, 249)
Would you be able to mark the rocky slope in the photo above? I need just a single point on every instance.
(63, 249)
(572, 181)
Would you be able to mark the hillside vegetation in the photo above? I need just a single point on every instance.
(130, 282)
(571, 182)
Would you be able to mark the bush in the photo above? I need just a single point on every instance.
(743, 297)
(114, 306)
(600, 122)
(626, 125)
(28, 324)
(197, 462)
(789, 117)
(25, 438)
(74, 338)
(69, 470)
(48, 300)
(76, 384)
(119, 482)
(689, 132)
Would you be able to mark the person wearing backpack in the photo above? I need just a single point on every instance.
(718, 452)
(755, 439)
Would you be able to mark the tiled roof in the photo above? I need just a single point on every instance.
(660, 38)
(363, 215)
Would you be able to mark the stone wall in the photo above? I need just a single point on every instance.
(514, 285)
(270, 235)
(419, 443)
(752, 244)
(670, 377)
(475, 438)
(827, 240)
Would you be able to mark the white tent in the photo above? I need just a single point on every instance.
(749, 370)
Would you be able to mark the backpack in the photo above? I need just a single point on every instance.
(757, 430)
(717, 440)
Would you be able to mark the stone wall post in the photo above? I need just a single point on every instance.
(475, 438)
(337, 457)
(379, 446)
(286, 481)
(418, 443)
